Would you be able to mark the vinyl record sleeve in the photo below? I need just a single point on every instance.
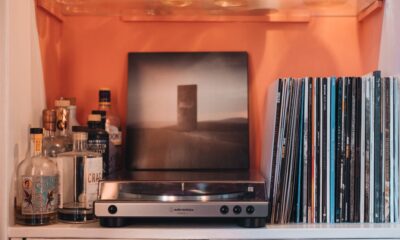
(362, 153)
(332, 142)
(279, 93)
(367, 99)
(392, 150)
(353, 149)
(378, 166)
(324, 155)
(338, 149)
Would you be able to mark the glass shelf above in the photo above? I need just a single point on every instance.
(214, 10)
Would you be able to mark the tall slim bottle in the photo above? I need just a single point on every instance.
(72, 113)
(113, 127)
(63, 135)
(83, 169)
(37, 186)
(98, 139)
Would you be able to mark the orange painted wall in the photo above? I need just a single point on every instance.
(369, 40)
(82, 54)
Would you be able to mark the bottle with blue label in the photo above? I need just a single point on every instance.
(37, 186)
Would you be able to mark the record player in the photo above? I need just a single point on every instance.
(187, 143)
(234, 196)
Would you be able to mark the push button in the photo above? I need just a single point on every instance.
(250, 209)
(112, 209)
(224, 209)
(237, 209)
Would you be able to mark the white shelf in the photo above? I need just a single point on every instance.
(222, 231)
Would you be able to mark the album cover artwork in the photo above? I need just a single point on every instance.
(187, 110)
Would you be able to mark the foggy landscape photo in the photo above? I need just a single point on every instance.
(187, 111)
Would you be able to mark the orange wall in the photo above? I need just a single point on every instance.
(86, 53)
(369, 40)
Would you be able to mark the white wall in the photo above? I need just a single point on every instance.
(21, 93)
(3, 188)
(389, 59)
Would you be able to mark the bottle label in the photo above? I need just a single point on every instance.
(115, 135)
(39, 194)
(62, 116)
(100, 146)
(93, 173)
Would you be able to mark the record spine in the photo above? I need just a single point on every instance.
(377, 152)
(338, 137)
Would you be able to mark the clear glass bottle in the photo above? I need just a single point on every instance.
(72, 113)
(37, 186)
(98, 139)
(63, 136)
(113, 127)
(82, 172)
(52, 144)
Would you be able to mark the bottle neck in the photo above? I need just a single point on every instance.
(49, 129)
(48, 133)
(105, 105)
(36, 145)
(80, 142)
(94, 125)
(72, 113)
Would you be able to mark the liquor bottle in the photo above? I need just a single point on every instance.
(98, 139)
(82, 171)
(62, 123)
(37, 186)
(113, 127)
(52, 144)
(72, 113)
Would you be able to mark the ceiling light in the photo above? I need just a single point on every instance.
(230, 3)
(321, 3)
(177, 3)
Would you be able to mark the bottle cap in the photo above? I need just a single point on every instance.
(36, 130)
(72, 101)
(94, 118)
(77, 129)
(104, 95)
(61, 103)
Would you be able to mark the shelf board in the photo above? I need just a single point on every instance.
(220, 231)
(208, 10)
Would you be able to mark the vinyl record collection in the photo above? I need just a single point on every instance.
(335, 153)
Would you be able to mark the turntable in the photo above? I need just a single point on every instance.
(234, 196)
(187, 143)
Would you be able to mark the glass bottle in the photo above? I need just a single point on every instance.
(98, 139)
(63, 136)
(72, 113)
(52, 144)
(37, 186)
(82, 171)
(113, 127)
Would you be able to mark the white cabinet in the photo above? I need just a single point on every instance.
(21, 100)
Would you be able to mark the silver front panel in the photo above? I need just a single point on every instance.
(178, 209)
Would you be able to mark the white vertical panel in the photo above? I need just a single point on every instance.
(21, 94)
(389, 59)
(3, 139)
